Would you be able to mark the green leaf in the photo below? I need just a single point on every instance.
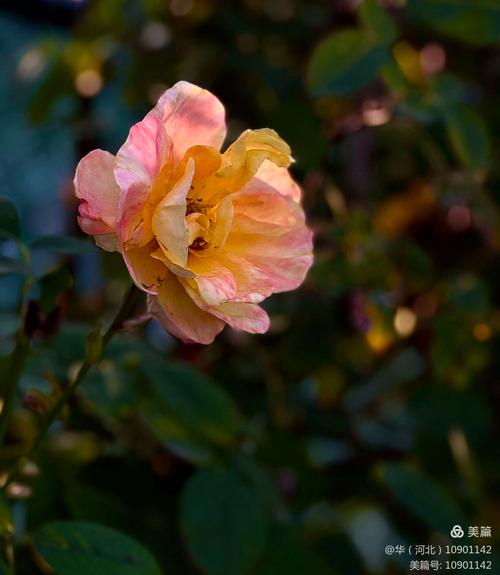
(11, 266)
(64, 245)
(193, 401)
(224, 522)
(89, 503)
(469, 136)
(423, 497)
(474, 21)
(72, 548)
(446, 90)
(376, 19)
(10, 226)
(287, 555)
(345, 62)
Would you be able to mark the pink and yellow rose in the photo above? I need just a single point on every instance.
(207, 235)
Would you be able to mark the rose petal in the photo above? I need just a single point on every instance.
(192, 115)
(179, 315)
(169, 219)
(215, 282)
(242, 316)
(269, 175)
(147, 272)
(242, 160)
(98, 191)
(264, 211)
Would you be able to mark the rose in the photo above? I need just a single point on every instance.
(208, 235)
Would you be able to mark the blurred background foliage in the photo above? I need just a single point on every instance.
(368, 415)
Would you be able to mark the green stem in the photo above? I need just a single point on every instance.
(17, 362)
(126, 308)
(21, 350)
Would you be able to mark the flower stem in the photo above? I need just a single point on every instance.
(21, 350)
(17, 362)
(126, 308)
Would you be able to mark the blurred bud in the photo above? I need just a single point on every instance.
(18, 491)
(29, 468)
(375, 113)
(432, 58)
(37, 402)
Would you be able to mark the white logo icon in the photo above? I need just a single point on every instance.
(457, 532)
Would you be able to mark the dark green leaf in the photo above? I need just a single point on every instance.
(89, 503)
(11, 266)
(194, 401)
(423, 497)
(375, 18)
(446, 90)
(287, 555)
(345, 62)
(72, 548)
(469, 137)
(475, 21)
(9, 218)
(65, 245)
(224, 522)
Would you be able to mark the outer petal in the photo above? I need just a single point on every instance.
(98, 191)
(192, 116)
(264, 211)
(269, 175)
(269, 248)
(265, 264)
(179, 315)
(138, 164)
(242, 316)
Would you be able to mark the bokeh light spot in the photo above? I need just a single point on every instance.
(88, 83)
(405, 321)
